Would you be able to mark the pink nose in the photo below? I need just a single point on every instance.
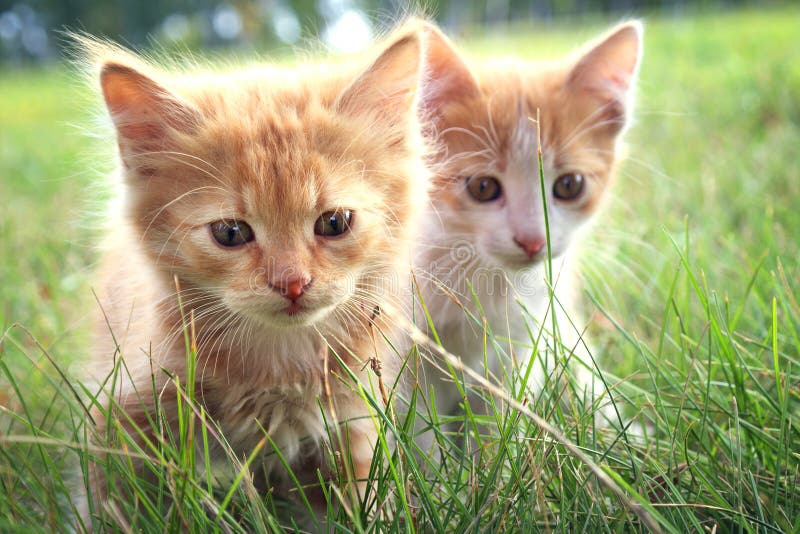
(291, 288)
(530, 246)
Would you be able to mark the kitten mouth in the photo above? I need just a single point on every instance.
(294, 309)
(297, 313)
(291, 315)
(536, 259)
(519, 262)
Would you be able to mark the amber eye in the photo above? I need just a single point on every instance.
(231, 233)
(568, 186)
(484, 188)
(333, 223)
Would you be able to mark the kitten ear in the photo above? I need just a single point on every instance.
(388, 86)
(142, 110)
(448, 78)
(608, 70)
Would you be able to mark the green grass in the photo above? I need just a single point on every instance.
(692, 276)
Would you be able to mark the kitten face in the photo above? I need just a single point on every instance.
(271, 192)
(488, 184)
(285, 272)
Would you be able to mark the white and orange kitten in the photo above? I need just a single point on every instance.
(486, 229)
(278, 205)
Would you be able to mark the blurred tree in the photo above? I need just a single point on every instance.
(310, 18)
(230, 22)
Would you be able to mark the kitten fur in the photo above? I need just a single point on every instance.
(275, 148)
(481, 118)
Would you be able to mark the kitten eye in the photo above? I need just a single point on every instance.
(484, 188)
(333, 223)
(231, 234)
(568, 186)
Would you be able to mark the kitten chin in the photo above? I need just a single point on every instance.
(488, 120)
(264, 211)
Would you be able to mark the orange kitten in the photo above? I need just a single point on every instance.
(281, 202)
(487, 227)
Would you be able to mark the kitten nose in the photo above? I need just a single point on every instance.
(291, 288)
(530, 246)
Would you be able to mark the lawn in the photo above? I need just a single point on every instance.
(692, 276)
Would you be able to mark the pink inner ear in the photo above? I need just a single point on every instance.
(390, 100)
(608, 68)
(129, 98)
(448, 77)
(621, 80)
(142, 129)
(140, 108)
(387, 87)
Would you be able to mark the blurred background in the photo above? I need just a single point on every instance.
(29, 29)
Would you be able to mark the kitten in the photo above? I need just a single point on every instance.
(486, 230)
(281, 203)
